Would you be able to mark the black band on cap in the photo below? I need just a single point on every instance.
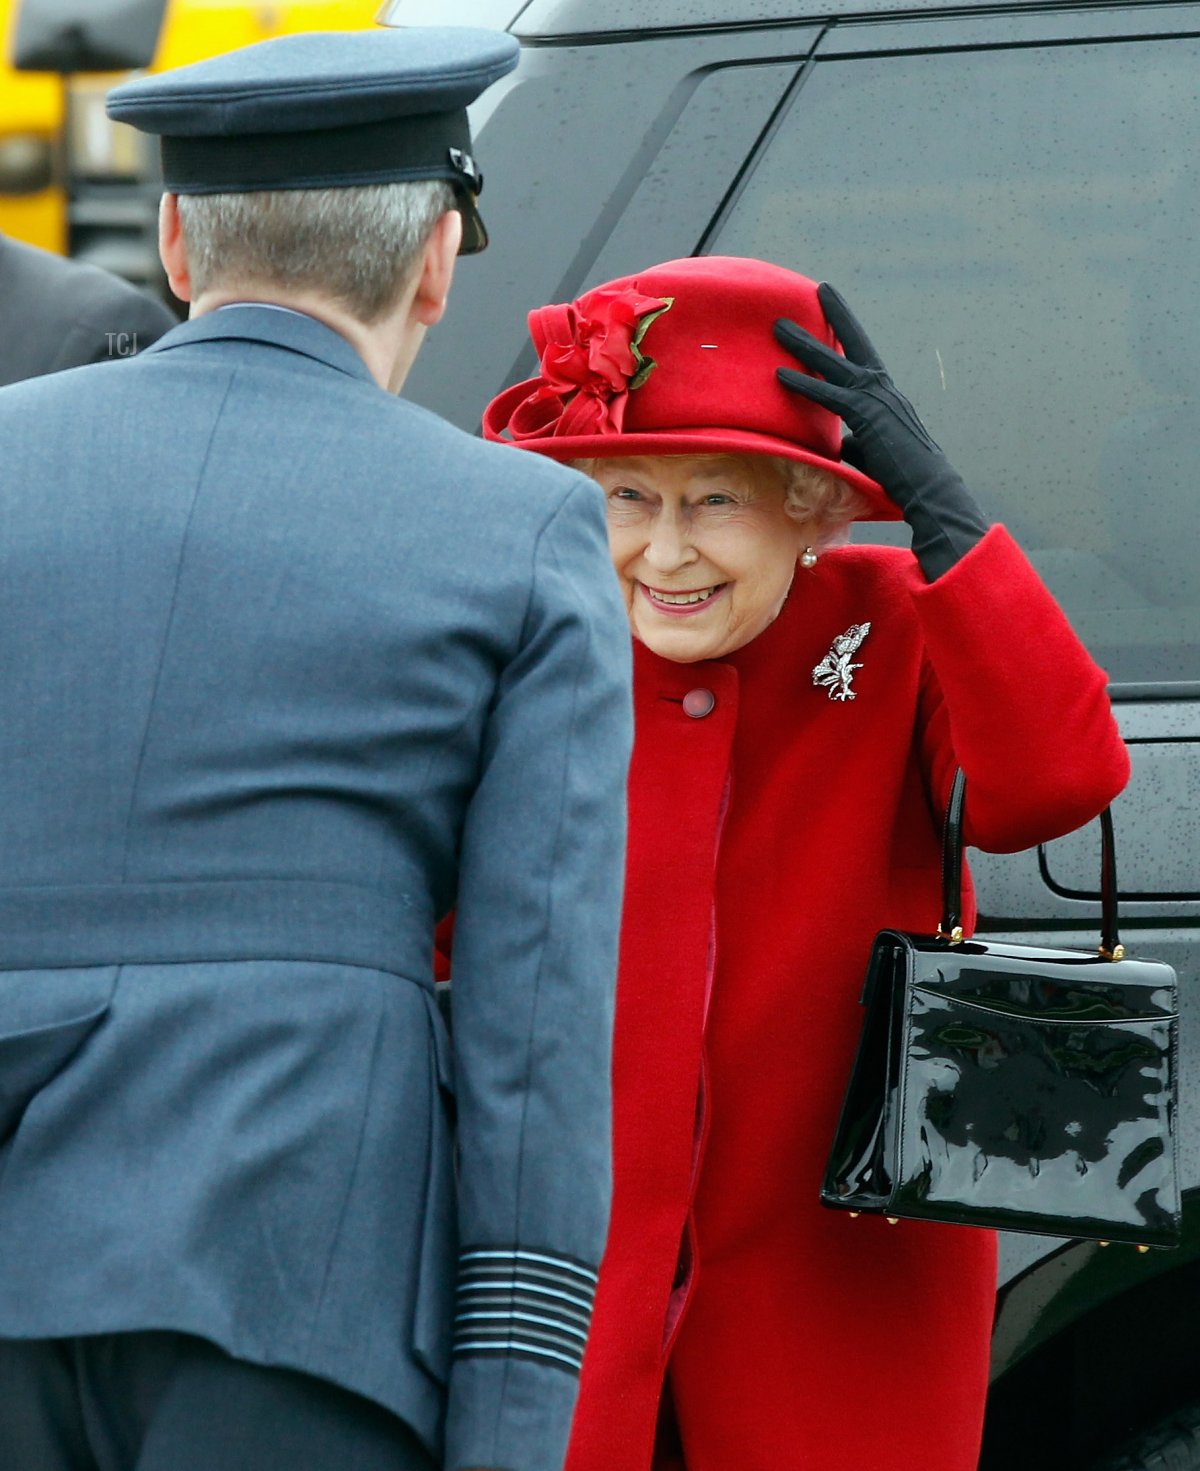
(396, 150)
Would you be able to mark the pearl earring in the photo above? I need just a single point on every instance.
(809, 558)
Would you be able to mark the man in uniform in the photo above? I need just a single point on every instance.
(57, 314)
(290, 668)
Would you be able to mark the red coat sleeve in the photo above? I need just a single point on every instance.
(443, 944)
(1011, 695)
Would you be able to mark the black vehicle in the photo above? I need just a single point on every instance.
(1009, 194)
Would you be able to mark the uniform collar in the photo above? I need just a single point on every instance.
(254, 322)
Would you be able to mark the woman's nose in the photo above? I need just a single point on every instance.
(669, 546)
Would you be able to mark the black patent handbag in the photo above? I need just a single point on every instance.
(1019, 1087)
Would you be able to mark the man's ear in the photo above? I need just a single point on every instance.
(171, 249)
(437, 269)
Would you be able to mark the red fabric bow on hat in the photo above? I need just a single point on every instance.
(590, 362)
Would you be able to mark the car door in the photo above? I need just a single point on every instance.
(1012, 203)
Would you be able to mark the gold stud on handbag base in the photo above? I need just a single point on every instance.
(895, 1221)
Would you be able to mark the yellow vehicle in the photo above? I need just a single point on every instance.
(73, 182)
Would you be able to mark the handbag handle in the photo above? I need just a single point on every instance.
(952, 866)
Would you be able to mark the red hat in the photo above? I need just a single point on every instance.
(679, 359)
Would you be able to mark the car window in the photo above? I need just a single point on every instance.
(1017, 229)
(598, 160)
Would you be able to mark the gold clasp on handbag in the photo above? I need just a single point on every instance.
(1116, 953)
(955, 936)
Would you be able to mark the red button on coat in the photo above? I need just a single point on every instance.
(699, 703)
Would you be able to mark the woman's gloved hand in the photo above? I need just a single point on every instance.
(887, 440)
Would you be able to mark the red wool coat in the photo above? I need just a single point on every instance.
(769, 839)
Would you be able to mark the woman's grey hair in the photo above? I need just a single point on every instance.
(358, 246)
(821, 497)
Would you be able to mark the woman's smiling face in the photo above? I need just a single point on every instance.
(704, 547)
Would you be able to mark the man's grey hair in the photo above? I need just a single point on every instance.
(358, 246)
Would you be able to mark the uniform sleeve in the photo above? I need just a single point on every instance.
(1012, 695)
(535, 954)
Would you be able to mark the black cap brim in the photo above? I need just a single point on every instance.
(398, 150)
(475, 235)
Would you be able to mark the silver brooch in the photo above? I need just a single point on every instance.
(835, 671)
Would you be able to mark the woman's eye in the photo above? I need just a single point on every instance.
(718, 498)
(625, 493)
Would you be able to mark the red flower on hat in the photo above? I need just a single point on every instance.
(591, 360)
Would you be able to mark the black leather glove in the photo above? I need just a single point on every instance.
(887, 440)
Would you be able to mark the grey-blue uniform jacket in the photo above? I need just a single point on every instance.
(288, 668)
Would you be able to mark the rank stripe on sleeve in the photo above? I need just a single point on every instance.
(533, 1304)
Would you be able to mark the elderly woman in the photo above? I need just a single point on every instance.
(802, 706)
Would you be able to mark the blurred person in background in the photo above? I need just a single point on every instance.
(57, 314)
